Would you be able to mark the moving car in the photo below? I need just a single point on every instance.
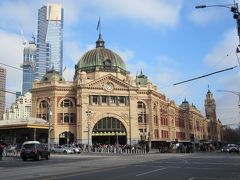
(34, 150)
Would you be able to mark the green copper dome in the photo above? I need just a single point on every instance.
(101, 59)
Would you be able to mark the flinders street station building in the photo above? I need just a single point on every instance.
(104, 104)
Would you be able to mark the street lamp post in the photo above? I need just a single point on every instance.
(49, 126)
(236, 15)
(88, 112)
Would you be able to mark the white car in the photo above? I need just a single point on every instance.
(62, 149)
(74, 148)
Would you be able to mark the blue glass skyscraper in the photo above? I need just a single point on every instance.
(49, 40)
(29, 57)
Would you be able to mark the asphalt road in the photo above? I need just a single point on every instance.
(197, 166)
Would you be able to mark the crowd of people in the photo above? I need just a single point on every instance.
(117, 148)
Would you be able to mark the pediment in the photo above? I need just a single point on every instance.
(107, 81)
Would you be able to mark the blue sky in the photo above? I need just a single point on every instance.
(169, 40)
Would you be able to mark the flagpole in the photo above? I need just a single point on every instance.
(99, 25)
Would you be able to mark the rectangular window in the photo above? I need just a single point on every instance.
(121, 99)
(164, 134)
(180, 135)
(164, 120)
(113, 99)
(155, 119)
(95, 99)
(156, 136)
(104, 99)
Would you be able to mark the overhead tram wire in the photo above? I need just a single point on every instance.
(218, 62)
(191, 85)
(199, 77)
(8, 91)
(11, 66)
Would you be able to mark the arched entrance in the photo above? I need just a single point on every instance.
(109, 130)
(66, 138)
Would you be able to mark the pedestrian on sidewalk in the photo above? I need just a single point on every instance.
(1, 149)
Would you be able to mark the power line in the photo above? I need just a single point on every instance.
(8, 91)
(199, 77)
(11, 66)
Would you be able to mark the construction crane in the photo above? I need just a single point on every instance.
(24, 41)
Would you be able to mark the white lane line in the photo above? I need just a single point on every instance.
(148, 172)
(204, 178)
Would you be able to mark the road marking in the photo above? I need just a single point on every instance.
(148, 172)
(204, 178)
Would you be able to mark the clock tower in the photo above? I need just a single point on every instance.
(210, 106)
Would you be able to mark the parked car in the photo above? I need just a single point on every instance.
(74, 148)
(62, 149)
(230, 148)
(233, 148)
(224, 149)
(34, 150)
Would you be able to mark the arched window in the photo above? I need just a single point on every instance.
(43, 111)
(109, 124)
(43, 104)
(66, 103)
(155, 116)
(141, 112)
(107, 64)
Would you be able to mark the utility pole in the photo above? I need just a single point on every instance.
(49, 126)
(88, 112)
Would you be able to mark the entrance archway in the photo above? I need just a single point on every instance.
(66, 138)
(109, 130)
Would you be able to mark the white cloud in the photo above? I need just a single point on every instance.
(69, 73)
(223, 56)
(73, 51)
(126, 54)
(11, 53)
(150, 12)
(136, 67)
(16, 15)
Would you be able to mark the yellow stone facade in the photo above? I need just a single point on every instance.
(104, 104)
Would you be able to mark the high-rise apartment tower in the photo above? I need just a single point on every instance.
(29, 57)
(49, 40)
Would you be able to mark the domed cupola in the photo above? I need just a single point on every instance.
(101, 59)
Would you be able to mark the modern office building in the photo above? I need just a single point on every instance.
(49, 40)
(2, 90)
(29, 58)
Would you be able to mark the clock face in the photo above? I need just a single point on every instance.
(108, 86)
